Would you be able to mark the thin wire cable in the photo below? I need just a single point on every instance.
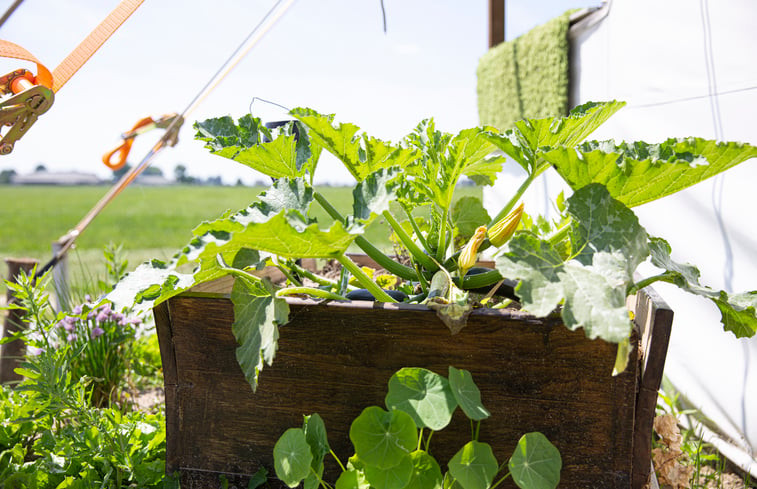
(231, 62)
(718, 190)
(688, 99)
(10, 11)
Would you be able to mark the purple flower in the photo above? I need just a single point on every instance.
(97, 331)
(77, 310)
(34, 351)
(92, 315)
(71, 337)
(135, 321)
(61, 324)
(123, 321)
(88, 298)
(102, 317)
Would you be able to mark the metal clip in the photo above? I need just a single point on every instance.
(20, 112)
(171, 122)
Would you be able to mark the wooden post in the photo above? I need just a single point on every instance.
(11, 353)
(496, 22)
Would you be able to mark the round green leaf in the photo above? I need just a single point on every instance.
(536, 463)
(292, 457)
(396, 477)
(474, 466)
(467, 394)
(426, 472)
(424, 395)
(352, 479)
(315, 434)
(382, 439)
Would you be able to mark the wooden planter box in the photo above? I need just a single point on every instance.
(336, 359)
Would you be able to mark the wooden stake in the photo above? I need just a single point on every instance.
(496, 22)
(11, 353)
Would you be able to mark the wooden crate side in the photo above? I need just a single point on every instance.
(534, 375)
(654, 319)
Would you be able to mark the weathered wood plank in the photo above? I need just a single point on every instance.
(534, 375)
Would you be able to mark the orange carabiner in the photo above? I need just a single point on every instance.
(124, 148)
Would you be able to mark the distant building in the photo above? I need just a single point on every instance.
(56, 178)
(152, 180)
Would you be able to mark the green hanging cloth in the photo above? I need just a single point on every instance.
(527, 77)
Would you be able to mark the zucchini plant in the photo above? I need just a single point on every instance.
(583, 264)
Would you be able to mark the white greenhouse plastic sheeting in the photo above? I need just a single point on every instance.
(685, 69)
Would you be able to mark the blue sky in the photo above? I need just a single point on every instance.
(331, 55)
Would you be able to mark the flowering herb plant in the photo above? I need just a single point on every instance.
(582, 264)
(95, 341)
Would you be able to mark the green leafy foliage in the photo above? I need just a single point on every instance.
(388, 454)
(582, 264)
(256, 321)
(383, 439)
(424, 395)
(637, 173)
(474, 466)
(292, 457)
(536, 463)
(466, 394)
(608, 245)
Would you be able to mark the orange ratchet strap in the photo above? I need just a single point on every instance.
(34, 95)
(167, 122)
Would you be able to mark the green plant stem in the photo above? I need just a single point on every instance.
(312, 291)
(364, 280)
(500, 481)
(289, 275)
(514, 199)
(442, 244)
(416, 229)
(561, 233)
(418, 254)
(428, 439)
(648, 281)
(390, 265)
(312, 276)
(420, 438)
(323, 482)
(337, 460)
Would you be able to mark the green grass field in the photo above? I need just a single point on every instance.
(149, 222)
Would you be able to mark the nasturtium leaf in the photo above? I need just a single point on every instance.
(292, 457)
(315, 433)
(738, 311)
(150, 284)
(450, 482)
(373, 195)
(258, 479)
(361, 155)
(382, 439)
(605, 224)
(636, 173)
(426, 472)
(467, 394)
(256, 329)
(424, 395)
(467, 214)
(396, 477)
(352, 479)
(474, 466)
(536, 463)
